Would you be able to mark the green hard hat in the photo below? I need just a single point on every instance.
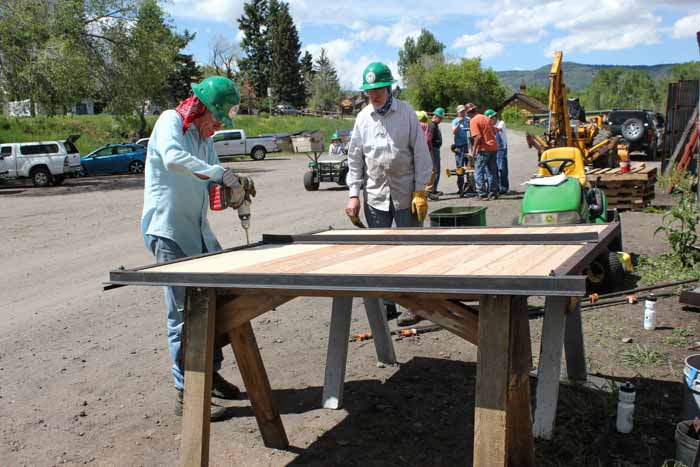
(220, 95)
(440, 112)
(490, 113)
(376, 75)
(334, 136)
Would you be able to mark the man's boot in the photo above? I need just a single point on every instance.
(407, 318)
(222, 389)
(217, 412)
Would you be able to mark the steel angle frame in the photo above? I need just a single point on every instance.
(445, 239)
(577, 262)
(410, 284)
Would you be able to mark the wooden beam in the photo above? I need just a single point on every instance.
(451, 315)
(337, 356)
(200, 311)
(574, 347)
(381, 336)
(502, 421)
(250, 364)
(235, 311)
(549, 367)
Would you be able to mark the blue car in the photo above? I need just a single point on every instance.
(114, 158)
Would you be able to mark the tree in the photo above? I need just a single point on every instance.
(540, 93)
(307, 73)
(450, 84)
(413, 50)
(619, 88)
(257, 61)
(224, 57)
(325, 86)
(141, 70)
(683, 71)
(286, 78)
(186, 72)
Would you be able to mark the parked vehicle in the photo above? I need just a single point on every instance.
(284, 109)
(641, 129)
(229, 143)
(45, 162)
(114, 158)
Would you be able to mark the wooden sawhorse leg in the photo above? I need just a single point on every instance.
(257, 385)
(338, 339)
(573, 343)
(198, 349)
(502, 425)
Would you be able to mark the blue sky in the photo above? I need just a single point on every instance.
(505, 34)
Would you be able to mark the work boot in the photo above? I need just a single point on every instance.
(217, 412)
(408, 318)
(222, 389)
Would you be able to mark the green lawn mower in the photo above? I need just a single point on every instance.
(560, 196)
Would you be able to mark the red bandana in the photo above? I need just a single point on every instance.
(190, 110)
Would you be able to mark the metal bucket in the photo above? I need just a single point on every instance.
(686, 446)
(691, 391)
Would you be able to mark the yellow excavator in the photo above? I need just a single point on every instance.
(567, 125)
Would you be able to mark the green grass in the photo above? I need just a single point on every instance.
(679, 337)
(641, 355)
(664, 268)
(98, 130)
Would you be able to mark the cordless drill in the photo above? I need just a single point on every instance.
(222, 196)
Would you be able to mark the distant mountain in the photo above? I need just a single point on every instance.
(577, 76)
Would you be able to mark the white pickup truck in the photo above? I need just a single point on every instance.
(45, 162)
(234, 143)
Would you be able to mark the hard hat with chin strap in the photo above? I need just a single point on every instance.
(220, 96)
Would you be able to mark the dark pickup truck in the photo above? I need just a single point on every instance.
(641, 129)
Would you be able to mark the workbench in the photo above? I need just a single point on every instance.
(432, 271)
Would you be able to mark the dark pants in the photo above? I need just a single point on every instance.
(486, 172)
(460, 162)
(435, 177)
(502, 163)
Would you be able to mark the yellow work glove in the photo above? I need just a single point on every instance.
(419, 205)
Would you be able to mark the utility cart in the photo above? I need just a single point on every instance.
(323, 167)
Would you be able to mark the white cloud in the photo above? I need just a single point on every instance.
(687, 26)
(225, 11)
(478, 45)
(395, 34)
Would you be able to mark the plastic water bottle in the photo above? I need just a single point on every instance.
(650, 312)
(625, 408)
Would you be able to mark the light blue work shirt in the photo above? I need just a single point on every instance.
(175, 201)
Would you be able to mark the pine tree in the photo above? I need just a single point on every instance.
(307, 72)
(325, 85)
(186, 72)
(286, 77)
(255, 44)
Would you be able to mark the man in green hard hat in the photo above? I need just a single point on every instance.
(389, 157)
(180, 165)
(435, 145)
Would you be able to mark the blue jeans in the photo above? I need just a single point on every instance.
(435, 154)
(486, 171)
(164, 250)
(459, 162)
(377, 219)
(502, 163)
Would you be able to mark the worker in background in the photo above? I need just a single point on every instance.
(180, 165)
(388, 155)
(436, 144)
(336, 148)
(460, 131)
(423, 120)
(502, 152)
(484, 148)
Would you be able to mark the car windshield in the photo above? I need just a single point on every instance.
(618, 118)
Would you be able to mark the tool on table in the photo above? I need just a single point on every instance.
(235, 192)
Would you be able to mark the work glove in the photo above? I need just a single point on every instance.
(419, 205)
(238, 187)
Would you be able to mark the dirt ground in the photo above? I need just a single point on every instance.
(84, 374)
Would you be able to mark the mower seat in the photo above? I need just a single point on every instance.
(577, 170)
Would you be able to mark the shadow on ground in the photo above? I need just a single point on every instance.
(424, 415)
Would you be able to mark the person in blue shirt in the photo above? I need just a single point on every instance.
(460, 130)
(180, 165)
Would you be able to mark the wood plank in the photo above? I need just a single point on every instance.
(520, 443)
(381, 336)
(549, 367)
(451, 315)
(234, 311)
(252, 369)
(337, 355)
(492, 379)
(573, 343)
(198, 350)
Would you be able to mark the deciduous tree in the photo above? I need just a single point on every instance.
(413, 50)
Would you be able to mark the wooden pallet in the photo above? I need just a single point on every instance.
(633, 190)
(638, 172)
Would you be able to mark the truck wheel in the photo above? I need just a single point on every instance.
(136, 167)
(258, 153)
(309, 182)
(605, 274)
(41, 177)
(58, 179)
(632, 130)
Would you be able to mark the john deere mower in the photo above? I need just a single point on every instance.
(560, 196)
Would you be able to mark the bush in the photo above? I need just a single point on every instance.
(513, 116)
